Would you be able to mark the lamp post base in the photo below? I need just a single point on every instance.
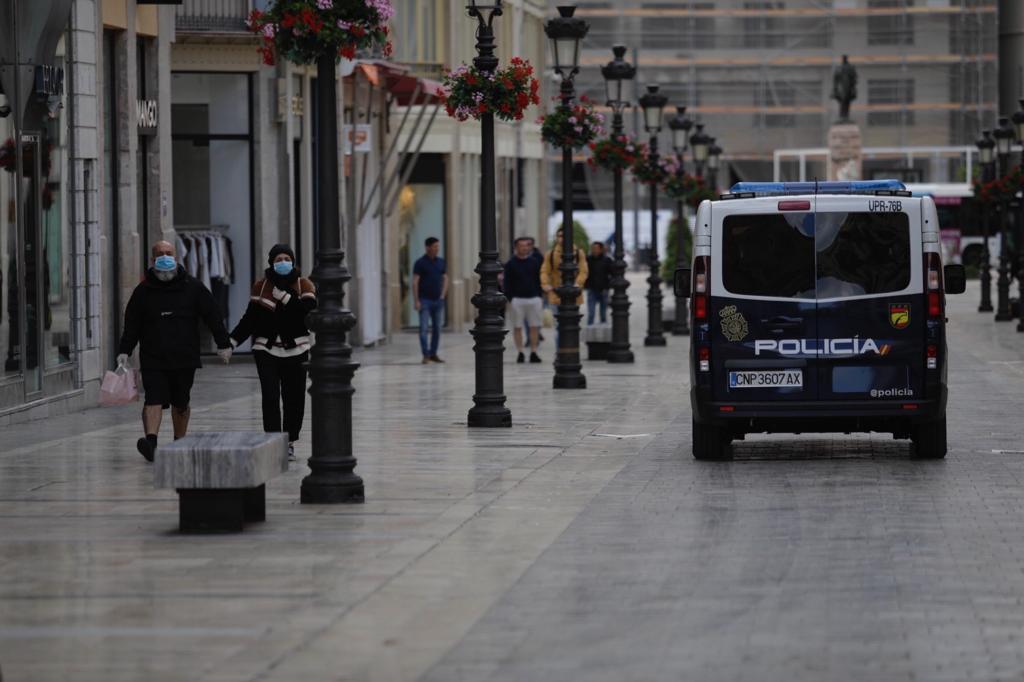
(620, 357)
(496, 416)
(656, 341)
(348, 490)
(570, 381)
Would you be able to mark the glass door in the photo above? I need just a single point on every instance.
(33, 306)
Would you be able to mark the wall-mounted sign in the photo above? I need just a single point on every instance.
(49, 80)
(358, 138)
(147, 114)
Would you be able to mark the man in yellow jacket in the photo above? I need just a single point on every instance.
(551, 276)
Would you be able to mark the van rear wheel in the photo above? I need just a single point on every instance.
(929, 439)
(710, 443)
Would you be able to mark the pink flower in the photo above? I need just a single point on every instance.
(325, 4)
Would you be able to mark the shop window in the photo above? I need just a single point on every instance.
(212, 175)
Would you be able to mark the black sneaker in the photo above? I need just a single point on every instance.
(534, 357)
(145, 448)
(520, 359)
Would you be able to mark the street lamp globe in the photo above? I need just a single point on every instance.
(986, 147)
(615, 74)
(1018, 121)
(653, 104)
(566, 32)
(701, 143)
(680, 127)
(714, 156)
(1004, 136)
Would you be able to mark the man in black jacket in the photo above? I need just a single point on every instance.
(598, 282)
(162, 317)
(522, 288)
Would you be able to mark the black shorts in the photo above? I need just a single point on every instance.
(166, 387)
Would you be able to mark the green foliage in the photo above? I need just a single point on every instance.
(579, 237)
(668, 259)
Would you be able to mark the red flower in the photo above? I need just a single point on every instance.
(348, 51)
(288, 20)
(358, 31)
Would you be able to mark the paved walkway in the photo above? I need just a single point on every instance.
(582, 544)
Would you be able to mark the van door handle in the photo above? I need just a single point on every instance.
(779, 325)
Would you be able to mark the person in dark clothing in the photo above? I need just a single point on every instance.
(522, 288)
(162, 318)
(598, 281)
(276, 321)
(429, 290)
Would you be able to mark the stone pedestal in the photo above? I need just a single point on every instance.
(844, 152)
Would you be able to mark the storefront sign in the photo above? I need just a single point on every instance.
(148, 116)
(358, 138)
(49, 80)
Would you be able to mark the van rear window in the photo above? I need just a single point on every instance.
(823, 255)
(769, 255)
(862, 253)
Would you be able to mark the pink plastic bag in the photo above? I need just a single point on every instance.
(118, 387)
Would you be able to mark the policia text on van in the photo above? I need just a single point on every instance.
(818, 307)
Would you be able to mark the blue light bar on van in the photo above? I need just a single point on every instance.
(858, 187)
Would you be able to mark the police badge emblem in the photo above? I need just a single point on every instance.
(899, 315)
(734, 325)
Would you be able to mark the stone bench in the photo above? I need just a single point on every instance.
(599, 341)
(220, 477)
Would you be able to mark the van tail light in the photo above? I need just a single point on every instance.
(704, 359)
(933, 356)
(934, 304)
(701, 275)
(933, 283)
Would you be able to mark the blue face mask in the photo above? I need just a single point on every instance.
(283, 267)
(165, 264)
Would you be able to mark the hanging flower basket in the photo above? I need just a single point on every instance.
(690, 188)
(506, 93)
(302, 31)
(574, 126)
(8, 157)
(613, 153)
(646, 169)
(1002, 189)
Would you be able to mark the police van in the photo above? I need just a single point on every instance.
(818, 307)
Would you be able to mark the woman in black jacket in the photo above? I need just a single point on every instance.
(276, 321)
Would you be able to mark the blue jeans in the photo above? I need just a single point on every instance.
(430, 312)
(594, 299)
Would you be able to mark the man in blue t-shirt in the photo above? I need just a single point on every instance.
(429, 291)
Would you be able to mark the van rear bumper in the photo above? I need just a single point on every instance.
(816, 416)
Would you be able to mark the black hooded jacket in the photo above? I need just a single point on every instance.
(163, 319)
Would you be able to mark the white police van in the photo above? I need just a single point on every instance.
(818, 307)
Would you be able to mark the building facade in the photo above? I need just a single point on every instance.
(128, 123)
(759, 73)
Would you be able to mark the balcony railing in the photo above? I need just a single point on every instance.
(214, 16)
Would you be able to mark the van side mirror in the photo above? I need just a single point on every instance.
(681, 283)
(956, 278)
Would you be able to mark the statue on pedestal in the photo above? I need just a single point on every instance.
(844, 88)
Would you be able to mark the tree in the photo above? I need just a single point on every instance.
(668, 263)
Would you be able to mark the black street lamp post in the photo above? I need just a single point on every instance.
(489, 409)
(680, 126)
(701, 143)
(1018, 124)
(616, 73)
(1004, 144)
(565, 32)
(653, 103)
(986, 154)
(332, 477)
